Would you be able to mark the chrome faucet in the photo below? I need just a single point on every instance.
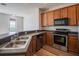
(14, 36)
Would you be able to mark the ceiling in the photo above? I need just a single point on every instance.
(35, 5)
(25, 7)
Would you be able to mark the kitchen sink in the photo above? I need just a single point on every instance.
(23, 38)
(15, 44)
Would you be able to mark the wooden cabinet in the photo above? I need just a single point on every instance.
(50, 18)
(44, 19)
(37, 42)
(72, 15)
(34, 44)
(32, 47)
(71, 12)
(78, 14)
(73, 43)
(49, 40)
(29, 50)
(47, 19)
(64, 13)
(57, 13)
(44, 38)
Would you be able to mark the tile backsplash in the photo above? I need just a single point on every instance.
(71, 28)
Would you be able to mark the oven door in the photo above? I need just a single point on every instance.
(60, 39)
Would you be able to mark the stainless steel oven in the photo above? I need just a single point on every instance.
(61, 39)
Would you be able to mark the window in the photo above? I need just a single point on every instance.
(12, 25)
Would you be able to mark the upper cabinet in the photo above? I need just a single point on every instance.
(71, 12)
(64, 13)
(72, 15)
(50, 18)
(78, 14)
(44, 19)
(57, 14)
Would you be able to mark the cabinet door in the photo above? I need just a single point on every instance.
(72, 15)
(57, 14)
(78, 14)
(34, 44)
(44, 38)
(32, 47)
(73, 44)
(50, 18)
(38, 45)
(29, 50)
(44, 19)
(49, 38)
(64, 13)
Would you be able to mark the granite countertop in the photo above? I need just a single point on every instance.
(23, 32)
(70, 32)
(7, 34)
(13, 33)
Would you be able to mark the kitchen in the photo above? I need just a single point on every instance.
(39, 29)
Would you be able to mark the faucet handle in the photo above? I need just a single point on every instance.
(12, 37)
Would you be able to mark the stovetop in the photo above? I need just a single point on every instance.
(62, 31)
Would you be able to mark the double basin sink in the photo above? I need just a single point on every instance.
(17, 42)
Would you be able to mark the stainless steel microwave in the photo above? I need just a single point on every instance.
(61, 22)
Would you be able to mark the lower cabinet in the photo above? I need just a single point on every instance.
(73, 44)
(29, 50)
(34, 44)
(49, 40)
(32, 47)
(44, 38)
(37, 42)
